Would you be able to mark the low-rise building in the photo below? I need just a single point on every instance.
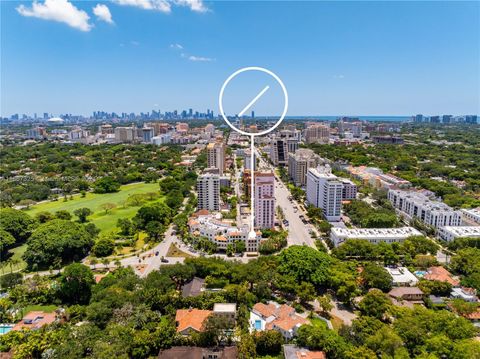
(35, 320)
(441, 274)
(470, 216)
(293, 352)
(402, 277)
(191, 320)
(466, 294)
(415, 204)
(406, 296)
(193, 288)
(449, 233)
(273, 316)
(185, 352)
(221, 232)
(373, 235)
(227, 310)
(349, 190)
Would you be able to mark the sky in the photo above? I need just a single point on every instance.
(335, 58)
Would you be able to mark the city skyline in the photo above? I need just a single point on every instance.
(335, 58)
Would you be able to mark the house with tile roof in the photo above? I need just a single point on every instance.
(191, 320)
(273, 316)
(441, 274)
(35, 320)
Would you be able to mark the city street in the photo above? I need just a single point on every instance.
(298, 232)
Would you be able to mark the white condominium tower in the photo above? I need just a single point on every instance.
(264, 200)
(208, 189)
(324, 191)
(216, 156)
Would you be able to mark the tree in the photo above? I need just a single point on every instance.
(467, 261)
(230, 249)
(153, 212)
(269, 342)
(154, 230)
(44, 216)
(6, 241)
(76, 283)
(246, 347)
(92, 229)
(19, 224)
(306, 292)
(435, 287)
(385, 342)
(62, 214)
(10, 280)
(375, 276)
(318, 337)
(375, 304)
(104, 246)
(360, 353)
(304, 264)
(126, 226)
(108, 207)
(57, 242)
(106, 185)
(325, 303)
(240, 246)
(82, 214)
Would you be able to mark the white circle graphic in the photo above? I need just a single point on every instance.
(261, 69)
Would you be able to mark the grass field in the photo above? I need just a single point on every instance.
(17, 255)
(104, 221)
(174, 251)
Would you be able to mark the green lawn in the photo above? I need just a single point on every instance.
(94, 201)
(17, 254)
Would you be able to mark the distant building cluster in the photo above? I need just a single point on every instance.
(470, 119)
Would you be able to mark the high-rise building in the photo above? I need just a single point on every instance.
(147, 134)
(317, 133)
(125, 134)
(471, 119)
(349, 190)
(216, 156)
(418, 118)
(264, 199)
(299, 163)
(447, 118)
(281, 145)
(208, 189)
(324, 191)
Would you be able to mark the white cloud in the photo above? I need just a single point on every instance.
(103, 13)
(58, 10)
(176, 46)
(200, 58)
(194, 5)
(338, 76)
(134, 43)
(158, 5)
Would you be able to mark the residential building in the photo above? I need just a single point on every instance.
(324, 191)
(441, 274)
(273, 316)
(125, 134)
(185, 352)
(222, 233)
(191, 320)
(36, 133)
(208, 190)
(193, 288)
(291, 351)
(376, 178)
(449, 233)
(431, 212)
(317, 133)
(216, 156)
(226, 310)
(470, 216)
(147, 134)
(264, 200)
(161, 139)
(349, 190)
(298, 164)
(402, 277)
(247, 155)
(406, 296)
(373, 235)
(466, 294)
(281, 145)
(35, 320)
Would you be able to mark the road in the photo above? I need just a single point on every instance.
(298, 232)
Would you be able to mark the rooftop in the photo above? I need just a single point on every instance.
(225, 307)
(463, 231)
(191, 318)
(365, 233)
(401, 275)
(441, 274)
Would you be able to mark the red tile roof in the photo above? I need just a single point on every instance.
(191, 318)
(441, 274)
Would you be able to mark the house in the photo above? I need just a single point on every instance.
(227, 310)
(193, 288)
(191, 320)
(406, 296)
(466, 294)
(199, 353)
(441, 274)
(402, 277)
(294, 352)
(35, 320)
(273, 316)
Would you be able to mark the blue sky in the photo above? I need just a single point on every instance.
(350, 58)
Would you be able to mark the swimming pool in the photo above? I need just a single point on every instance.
(5, 328)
